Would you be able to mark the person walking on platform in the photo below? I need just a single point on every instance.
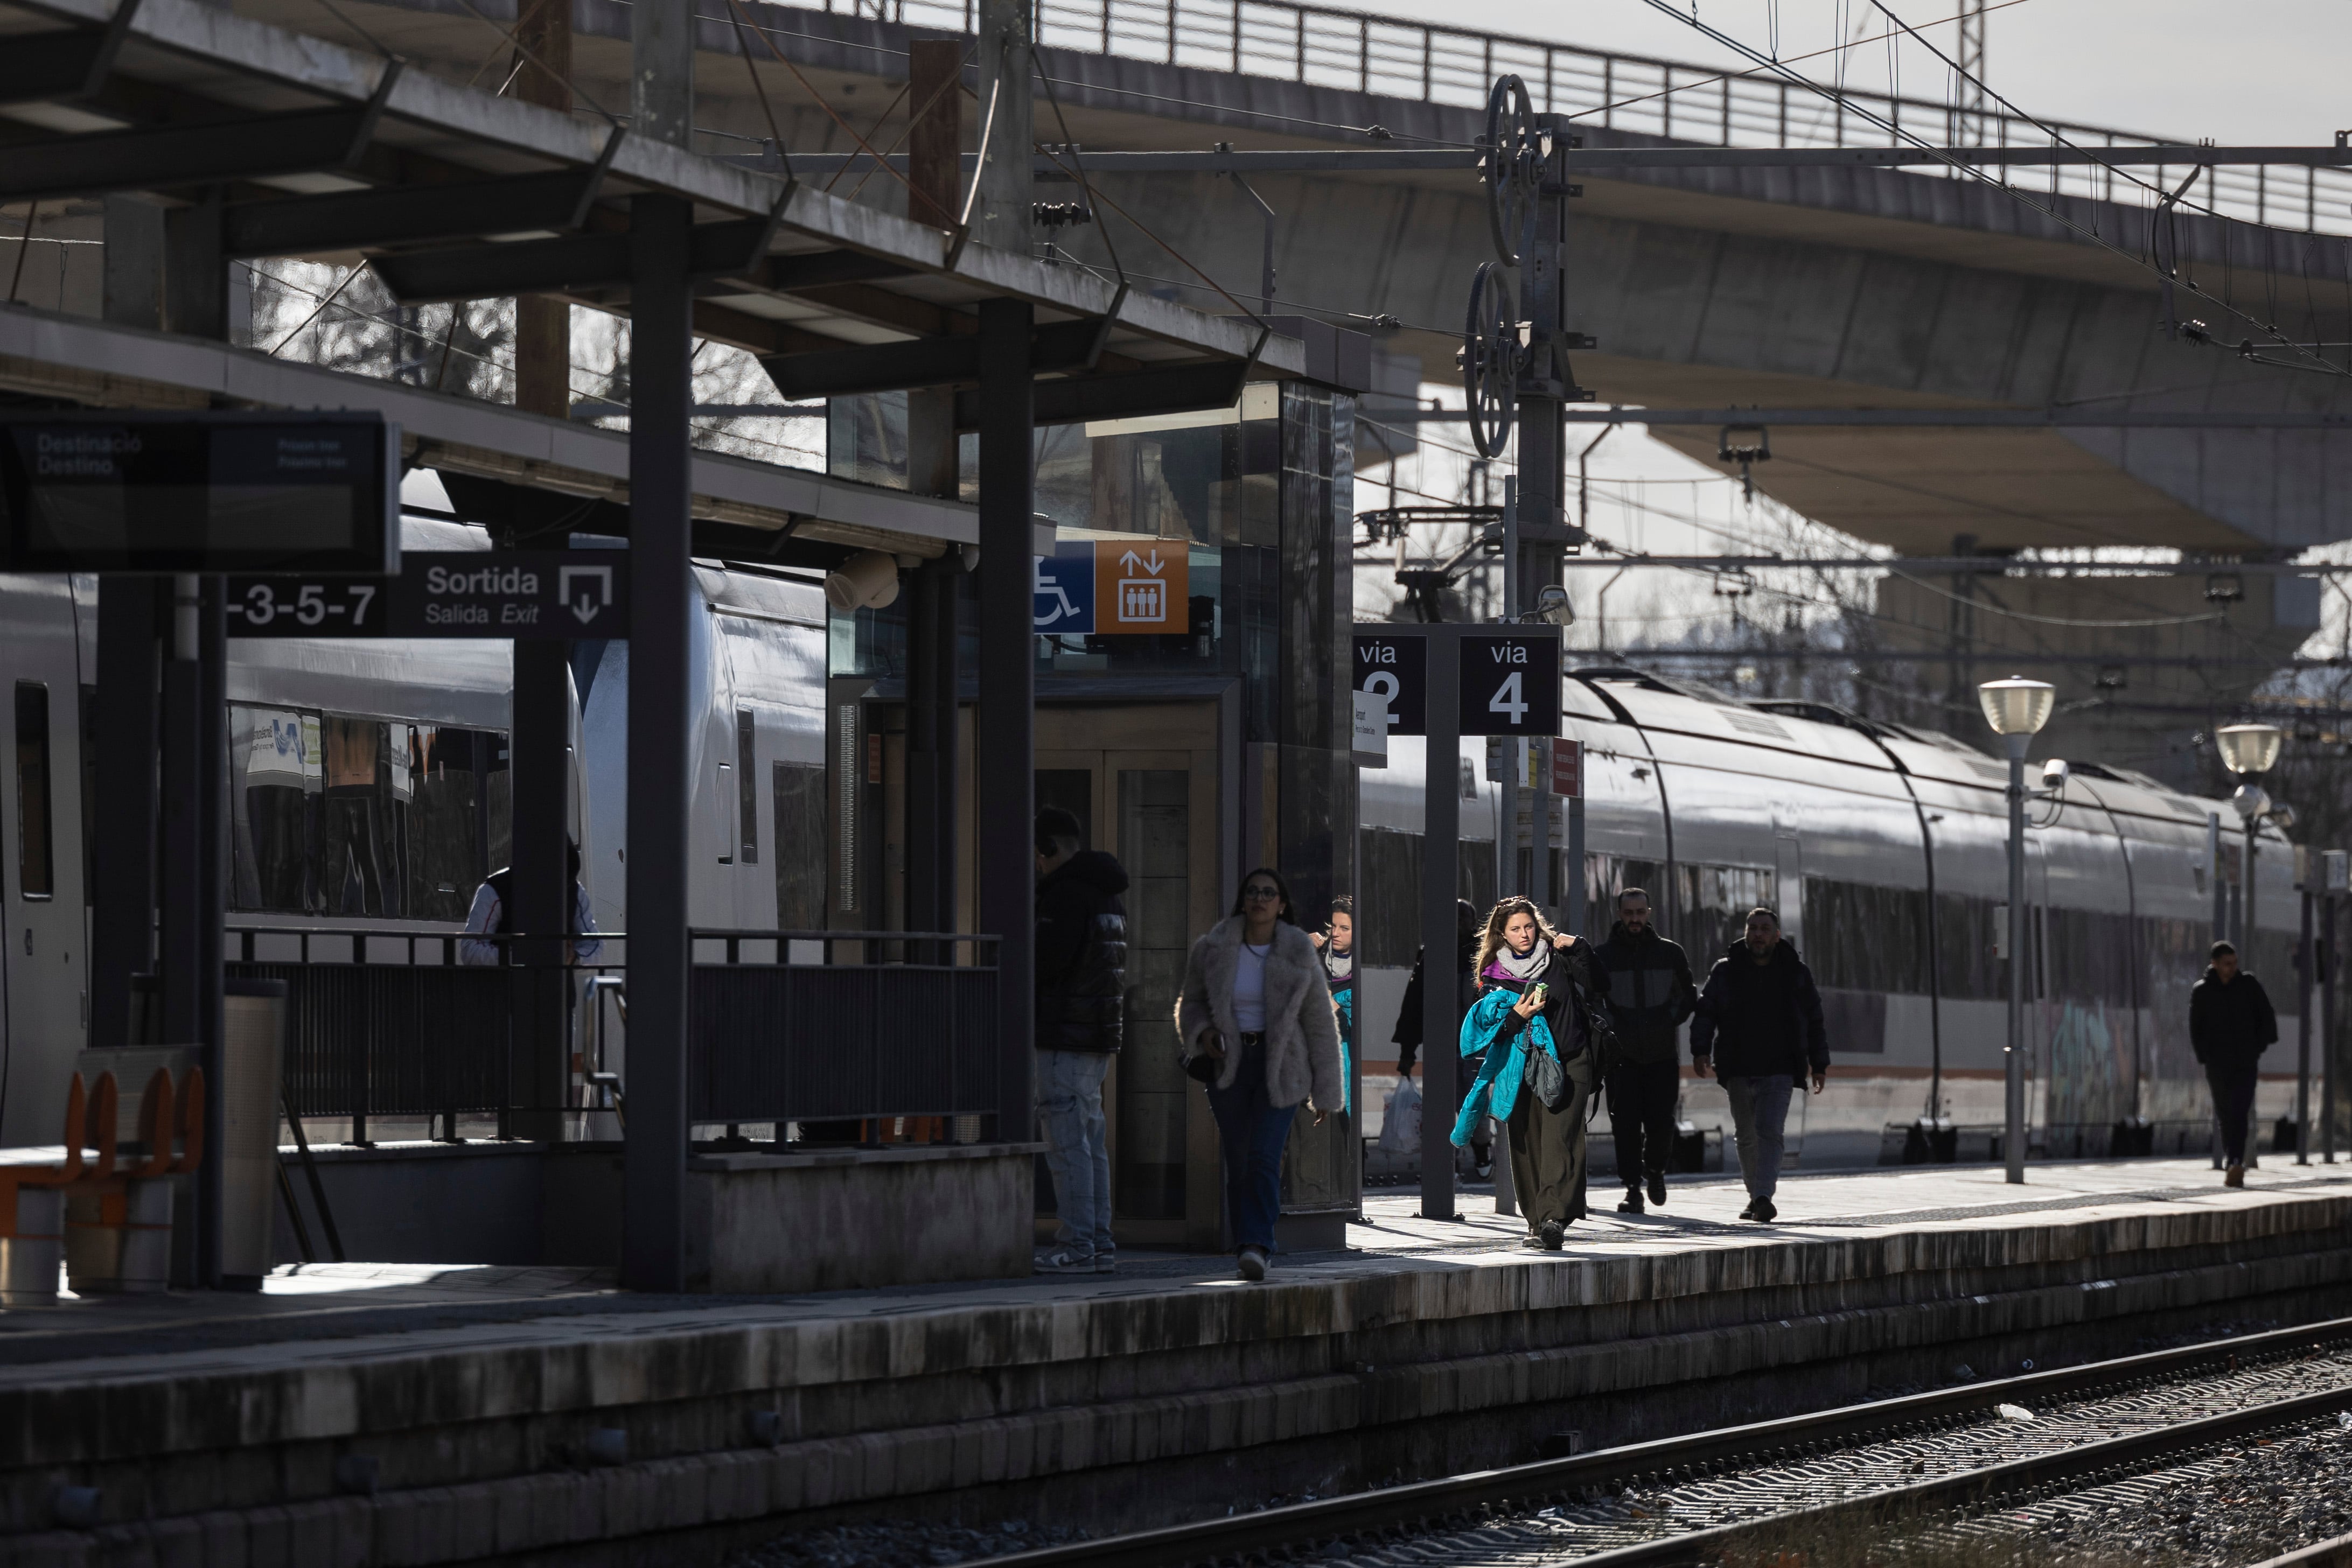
(2230, 1024)
(1533, 1030)
(1336, 942)
(1407, 1033)
(489, 917)
(1081, 1022)
(1761, 1008)
(1257, 1026)
(1650, 995)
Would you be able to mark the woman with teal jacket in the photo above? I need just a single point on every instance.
(1535, 1024)
(1336, 942)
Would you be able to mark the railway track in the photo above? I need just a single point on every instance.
(1686, 1500)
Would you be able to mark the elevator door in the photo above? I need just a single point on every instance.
(1142, 782)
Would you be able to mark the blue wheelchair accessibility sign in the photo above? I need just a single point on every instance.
(1062, 598)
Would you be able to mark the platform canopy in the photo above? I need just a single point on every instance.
(320, 152)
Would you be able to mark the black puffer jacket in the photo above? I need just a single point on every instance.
(1082, 955)
(1650, 991)
(2231, 1026)
(1760, 1020)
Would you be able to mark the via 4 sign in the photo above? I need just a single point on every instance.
(1112, 588)
(1509, 680)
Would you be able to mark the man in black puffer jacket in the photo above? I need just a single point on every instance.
(1761, 1008)
(2230, 1024)
(1650, 995)
(1081, 1021)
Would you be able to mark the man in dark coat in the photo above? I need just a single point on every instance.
(1761, 1008)
(1650, 995)
(2230, 1024)
(1081, 1021)
(1406, 1035)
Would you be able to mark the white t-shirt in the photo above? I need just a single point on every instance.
(1249, 989)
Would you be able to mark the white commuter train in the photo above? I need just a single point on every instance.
(367, 787)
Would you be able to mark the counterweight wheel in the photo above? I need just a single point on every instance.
(1512, 171)
(1493, 353)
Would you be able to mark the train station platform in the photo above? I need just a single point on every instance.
(409, 1415)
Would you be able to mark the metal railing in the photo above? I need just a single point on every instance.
(900, 1029)
(1391, 57)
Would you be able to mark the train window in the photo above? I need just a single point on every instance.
(1709, 908)
(36, 866)
(1861, 937)
(747, 783)
(800, 847)
(1388, 900)
(442, 824)
(726, 793)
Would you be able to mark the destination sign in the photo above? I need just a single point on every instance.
(121, 491)
(526, 594)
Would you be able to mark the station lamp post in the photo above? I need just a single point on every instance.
(2017, 708)
(2249, 751)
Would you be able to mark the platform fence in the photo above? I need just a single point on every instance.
(1419, 62)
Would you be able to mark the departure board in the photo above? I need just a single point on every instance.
(137, 492)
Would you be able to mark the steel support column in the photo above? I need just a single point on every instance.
(196, 762)
(2014, 1060)
(2304, 955)
(539, 757)
(1441, 834)
(122, 915)
(660, 682)
(1004, 751)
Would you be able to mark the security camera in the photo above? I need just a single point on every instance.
(866, 580)
(1552, 605)
(2053, 773)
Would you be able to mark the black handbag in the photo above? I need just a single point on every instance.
(1202, 1068)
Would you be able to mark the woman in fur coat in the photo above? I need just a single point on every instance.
(1256, 1024)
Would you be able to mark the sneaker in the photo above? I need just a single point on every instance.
(1065, 1260)
(1106, 1262)
(1553, 1234)
(1658, 1187)
(1253, 1263)
(1750, 1212)
(1631, 1202)
(1762, 1212)
(2235, 1176)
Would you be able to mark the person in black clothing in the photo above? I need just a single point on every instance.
(2230, 1024)
(1081, 1021)
(1650, 995)
(1761, 1008)
(1407, 1033)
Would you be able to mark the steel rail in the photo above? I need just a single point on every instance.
(1432, 1501)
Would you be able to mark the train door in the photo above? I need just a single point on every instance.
(41, 878)
(1142, 781)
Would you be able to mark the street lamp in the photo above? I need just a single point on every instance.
(2017, 708)
(2249, 751)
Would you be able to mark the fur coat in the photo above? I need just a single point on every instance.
(1302, 1030)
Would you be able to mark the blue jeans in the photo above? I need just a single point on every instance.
(1252, 1133)
(1759, 1110)
(1070, 1112)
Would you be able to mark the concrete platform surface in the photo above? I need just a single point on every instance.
(500, 1413)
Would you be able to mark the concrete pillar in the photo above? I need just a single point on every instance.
(1002, 216)
(132, 287)
(1004, 747)
(196, 269)
(193, 863)
(661, 650)
(544, 325)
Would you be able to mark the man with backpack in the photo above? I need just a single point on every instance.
(1650, 995)
(1081, 1022)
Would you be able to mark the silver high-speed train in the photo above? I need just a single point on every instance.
(1885, 850)
(368, 786)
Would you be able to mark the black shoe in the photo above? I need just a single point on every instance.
(1657, 1187)
(1762, 1212)
(1553, 1234)
(1750, 1212)
(1631, 1202)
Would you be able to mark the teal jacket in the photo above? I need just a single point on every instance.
(1500, 1074)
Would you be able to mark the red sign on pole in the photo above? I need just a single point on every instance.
(1568, 768)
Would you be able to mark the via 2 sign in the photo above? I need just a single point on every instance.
(1510, 684)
